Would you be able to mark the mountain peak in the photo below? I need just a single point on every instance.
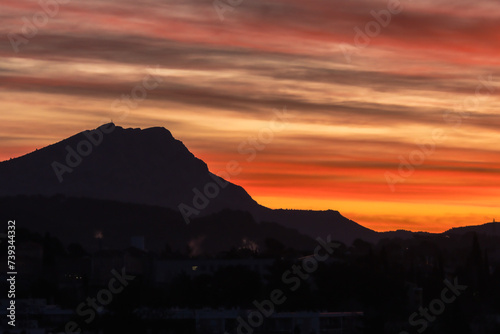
(112, 127)
(109, 125)
(144, 166)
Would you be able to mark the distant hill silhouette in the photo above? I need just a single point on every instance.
(319, 223)
(490, 229)
(79, 219)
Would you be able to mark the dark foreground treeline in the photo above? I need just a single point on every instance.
(399, 284)
(388, 281)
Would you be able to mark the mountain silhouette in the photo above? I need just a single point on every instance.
(128, 165)
(151, 167)
(490, 229)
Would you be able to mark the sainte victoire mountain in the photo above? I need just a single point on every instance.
(151, 167)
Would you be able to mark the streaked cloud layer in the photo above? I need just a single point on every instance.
(433, 67)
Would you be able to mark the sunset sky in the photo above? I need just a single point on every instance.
(357, 106)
